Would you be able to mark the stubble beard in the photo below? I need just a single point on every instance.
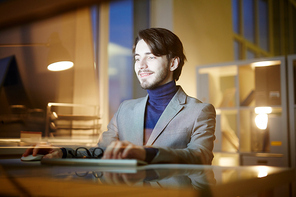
(145, 84)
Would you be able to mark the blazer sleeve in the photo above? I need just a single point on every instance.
(200, 147)
(112, 132)
(126, 124)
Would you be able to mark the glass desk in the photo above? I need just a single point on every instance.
(19, 178)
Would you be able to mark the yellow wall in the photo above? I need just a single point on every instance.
(85, 78)
(205, 28)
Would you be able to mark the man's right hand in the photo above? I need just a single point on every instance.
(47, 150)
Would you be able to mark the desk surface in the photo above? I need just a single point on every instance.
(35, 179)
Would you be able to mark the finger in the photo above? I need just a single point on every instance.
(119, 155)
(117, 150)
(134, 152)
(28, 151)
(127, 151)
(39, 148)
(35, 151)
(42, 148)
(109, 150)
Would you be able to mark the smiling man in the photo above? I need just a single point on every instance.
(166, 126)
(152, 70)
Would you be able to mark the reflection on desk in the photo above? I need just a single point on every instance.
(33, 179)
(200, 179)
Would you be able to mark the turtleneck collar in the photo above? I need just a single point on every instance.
(164, 92)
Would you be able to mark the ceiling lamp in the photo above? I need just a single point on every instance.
(58, 57)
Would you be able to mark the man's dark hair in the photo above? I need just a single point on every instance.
(163, 42)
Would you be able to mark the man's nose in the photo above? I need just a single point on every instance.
(143, 64)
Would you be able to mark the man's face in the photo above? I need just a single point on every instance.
(152, 71)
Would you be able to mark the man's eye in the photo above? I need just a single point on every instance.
(152, 57)
(137, 59)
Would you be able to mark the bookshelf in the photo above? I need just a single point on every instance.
(236, 89)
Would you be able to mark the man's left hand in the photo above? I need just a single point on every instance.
(124, 150)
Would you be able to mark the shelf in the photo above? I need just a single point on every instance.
(291, 64)
(227, 70)
(236, 89)
(76, 127)
(72, 118)
(262, 154)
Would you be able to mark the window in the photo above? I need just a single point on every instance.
(120, 53)
(263, 28)
(249, 20)
(251, 28)
(263, 25)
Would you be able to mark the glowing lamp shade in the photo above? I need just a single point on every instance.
(58, 57)
(261, 121)
(61, 65)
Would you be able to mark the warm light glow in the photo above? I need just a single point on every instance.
(59, 66)
(227, 161)
(218, 111)
(265, 63)
(55, 114)
(263, 110)
(261, 121)
(262, 171)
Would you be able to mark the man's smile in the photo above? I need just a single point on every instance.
(143, 74)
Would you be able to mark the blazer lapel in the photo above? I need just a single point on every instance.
(138, 126)
(173, 108)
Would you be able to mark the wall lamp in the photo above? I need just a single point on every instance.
(58, 59)
(261, 120)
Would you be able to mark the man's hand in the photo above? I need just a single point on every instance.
(45, 149)
(124, 150)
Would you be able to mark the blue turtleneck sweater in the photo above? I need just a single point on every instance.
(158, 99)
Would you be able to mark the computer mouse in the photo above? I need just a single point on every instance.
(38, 157)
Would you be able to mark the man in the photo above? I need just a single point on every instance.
(166, 126)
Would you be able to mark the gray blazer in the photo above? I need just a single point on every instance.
(183, 134)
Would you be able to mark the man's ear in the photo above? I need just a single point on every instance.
(174, 63)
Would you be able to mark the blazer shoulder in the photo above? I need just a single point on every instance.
(197, 104)
(193, 102)
(130, 103)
